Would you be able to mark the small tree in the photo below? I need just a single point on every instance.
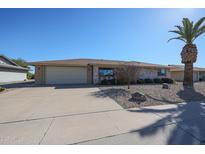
(128, 73)
(21, 62)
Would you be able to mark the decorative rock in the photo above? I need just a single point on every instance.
(2, 89)
(165, 86)
(138, 97)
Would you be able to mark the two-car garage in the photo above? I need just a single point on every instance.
(65, 75)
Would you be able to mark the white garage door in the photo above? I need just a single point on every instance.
(66, 75)
(12, 76)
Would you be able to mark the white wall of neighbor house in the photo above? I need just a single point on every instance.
(12, 76)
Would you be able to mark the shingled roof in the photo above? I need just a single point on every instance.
(85, 62)
(11, 65)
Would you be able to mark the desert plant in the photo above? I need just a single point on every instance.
(187, 33)
(140, 81)
(127, 73)
(108, 82)
(148, 80)
(104, 82)
(157, 80)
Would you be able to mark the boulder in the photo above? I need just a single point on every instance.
(138, 97)
(165, 86)
(2, 89)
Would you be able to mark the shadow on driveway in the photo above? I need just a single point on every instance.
(188, 116)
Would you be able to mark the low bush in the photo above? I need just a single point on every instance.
(108, 82)
(104, 82)
(148, 81)
(2, 89)
(133, 82)
(140, 81)
(201, 79)
(157, 80)
(119, 82)
(167, 80)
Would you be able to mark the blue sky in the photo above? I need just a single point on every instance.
(120, 34)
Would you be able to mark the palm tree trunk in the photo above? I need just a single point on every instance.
(188, 75)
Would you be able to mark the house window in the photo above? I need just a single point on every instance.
(162, 72)
(106, 76)
(106, 72)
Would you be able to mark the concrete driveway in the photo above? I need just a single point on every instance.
(75, 115)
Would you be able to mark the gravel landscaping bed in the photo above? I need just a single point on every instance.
(155, 95)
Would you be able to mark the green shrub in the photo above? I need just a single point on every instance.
(133, 82)
(157, 80)
(104, 82)
(112, 82)
(2, 89)
(30, 76)
(167, 80)
(148, 81)
(201, 79)
(140, 81)
(121, 82)
(108, 82)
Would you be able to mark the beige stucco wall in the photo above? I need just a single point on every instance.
(144, 73)
(179, 75)
(89, 74)
(95, 75)
(40, 74)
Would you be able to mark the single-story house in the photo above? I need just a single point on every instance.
(90, 71)
(10, 71)
(177, 73)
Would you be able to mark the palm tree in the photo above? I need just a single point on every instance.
(187, 33)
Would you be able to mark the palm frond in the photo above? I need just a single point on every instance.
(198, 23)
(179, 27)
(177, 38)
(188, 31)
(176, 31)
(200, 32)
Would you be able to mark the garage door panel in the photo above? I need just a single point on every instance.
(66, 75)
(6, 76)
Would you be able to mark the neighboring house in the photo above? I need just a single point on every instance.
(177, 73)
(10, 71)
(90, 71)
